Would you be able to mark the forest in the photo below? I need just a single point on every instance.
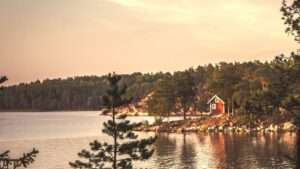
(254, 87)
(78, 93)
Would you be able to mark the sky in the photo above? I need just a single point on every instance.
(42, 39)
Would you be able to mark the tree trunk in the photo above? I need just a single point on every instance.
(184, 112)
(115, 139)
(228, 111)
(298, 150)
(232, 107)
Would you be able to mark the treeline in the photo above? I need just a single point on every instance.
(79, 93)
(247, 88)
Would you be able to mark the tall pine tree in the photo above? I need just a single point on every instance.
(162, 102)
(185, 90)
(291, 17)
(125, 148)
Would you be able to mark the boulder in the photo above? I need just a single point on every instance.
(242, 129)
(179, 130)
(270, 128)
(288, 126)
(203, 128)
(231, 128)
(190, 129)
(211, 128)
(220, 128)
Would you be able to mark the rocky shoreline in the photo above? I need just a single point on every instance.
(217, 124)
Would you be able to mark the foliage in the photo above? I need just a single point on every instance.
(247, 88)
(125, 147)
(79, 93)
(3, 79)
(162, 102)
(185, 90)
(158, 121)
(291, 16)
(292, 100)
(6, 162)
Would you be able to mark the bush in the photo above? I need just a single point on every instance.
(158, 120)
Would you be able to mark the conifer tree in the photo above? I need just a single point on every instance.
(6, 162)
(162, 102)
(290, 15)
(185, 90)
(124, 148)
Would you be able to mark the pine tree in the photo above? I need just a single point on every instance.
(291, 19)
(290, 15)
(185, 90)
(6, 162)
(125, 148)
(162, 102)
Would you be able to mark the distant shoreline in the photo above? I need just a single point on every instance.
(31, 110)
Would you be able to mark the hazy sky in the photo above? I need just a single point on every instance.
(61, 38)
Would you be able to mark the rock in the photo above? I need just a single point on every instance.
(259, 128)
(178, 130)
(288, 126)
(221, 128)
(203, 128)
(190, 129)
(211, 128)
(270, 128)
(230, 128)
(254, 129)
(276, 128)
(242, 129)
(155, 129)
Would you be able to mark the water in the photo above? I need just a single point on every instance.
(59, 136)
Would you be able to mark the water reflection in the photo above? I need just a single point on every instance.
(188, 153)
(165, 148)
(218, 150)
(60, 136)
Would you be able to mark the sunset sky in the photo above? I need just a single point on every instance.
(60, 38)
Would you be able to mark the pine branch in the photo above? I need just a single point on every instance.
(3, 79)
(4, 155)
(23, 161)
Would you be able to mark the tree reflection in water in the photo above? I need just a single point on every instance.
(218, 150)
(165, 149)
(188, 153)
(252, 151)
(298, 150)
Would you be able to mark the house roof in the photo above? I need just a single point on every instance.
(215, 97)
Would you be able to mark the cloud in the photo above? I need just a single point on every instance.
(194, 11)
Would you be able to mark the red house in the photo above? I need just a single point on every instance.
(216, 105)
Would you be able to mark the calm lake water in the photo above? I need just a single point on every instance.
(59, 136)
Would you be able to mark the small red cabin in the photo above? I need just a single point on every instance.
(216, 105)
